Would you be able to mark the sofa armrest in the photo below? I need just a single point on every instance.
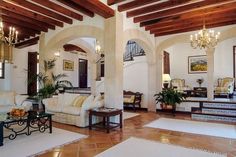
(92, 105)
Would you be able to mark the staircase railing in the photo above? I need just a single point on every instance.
(132, 50)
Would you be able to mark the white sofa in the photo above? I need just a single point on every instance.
(65, 112)
(10, 100)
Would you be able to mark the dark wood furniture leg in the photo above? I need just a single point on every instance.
(50, 124)
(121, 120)
(1, 134)
(90, 121)
(108, 124)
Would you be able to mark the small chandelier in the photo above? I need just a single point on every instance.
(204, 39)
(7, 43)
(98, 49)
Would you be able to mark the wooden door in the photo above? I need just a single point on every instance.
(32, 72)
(166, 63)
(83, 73)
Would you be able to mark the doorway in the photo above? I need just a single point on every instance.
(83, 73)
(32, 73)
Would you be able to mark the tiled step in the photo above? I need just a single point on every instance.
(219, 106)
(206, 117)
(215, 111)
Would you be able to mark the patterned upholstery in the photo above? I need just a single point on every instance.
(178, 84)
(225, 86)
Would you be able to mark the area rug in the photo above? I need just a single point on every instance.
(203, 128)
(136, 147)
(127, 115)
(37, 143)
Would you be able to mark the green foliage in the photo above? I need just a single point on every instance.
(169, 96)
(50, 85)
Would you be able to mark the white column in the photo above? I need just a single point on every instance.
(159, 65)
(210, 73)
(152, 81)
(114, 61)
(93, 70)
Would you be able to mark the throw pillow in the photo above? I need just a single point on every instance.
(78, 102)
(69, 98)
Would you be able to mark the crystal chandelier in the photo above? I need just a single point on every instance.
(204, 39)
(7, 43)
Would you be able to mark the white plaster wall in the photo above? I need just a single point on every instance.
(179, 61)
(16, 73)
(136, 77)
(72, 76)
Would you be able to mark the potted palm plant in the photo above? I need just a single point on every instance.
(169, 98)
(49, 83)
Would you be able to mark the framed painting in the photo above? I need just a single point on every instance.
(68, 65)
(197, 64)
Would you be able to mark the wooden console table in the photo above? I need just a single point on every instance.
(106, 113)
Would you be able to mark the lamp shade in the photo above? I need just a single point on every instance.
(166, 77)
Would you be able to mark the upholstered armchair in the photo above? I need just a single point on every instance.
(225, 86)
(179, 84)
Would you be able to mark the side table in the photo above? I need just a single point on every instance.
(105, 113)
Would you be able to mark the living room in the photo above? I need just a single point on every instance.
(64, 123)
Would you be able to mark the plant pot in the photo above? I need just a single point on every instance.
(167, 107)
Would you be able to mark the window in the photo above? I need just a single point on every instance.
(1, 70)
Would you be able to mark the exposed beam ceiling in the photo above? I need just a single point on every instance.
(178, 16)
(31, 17)
(27, 43)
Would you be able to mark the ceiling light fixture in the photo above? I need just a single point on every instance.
(204, 38)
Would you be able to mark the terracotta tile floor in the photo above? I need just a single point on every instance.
(99, 141)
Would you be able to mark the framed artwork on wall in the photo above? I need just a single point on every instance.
(68, 65)
(197, 64)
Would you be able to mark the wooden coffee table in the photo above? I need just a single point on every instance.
(105, 113)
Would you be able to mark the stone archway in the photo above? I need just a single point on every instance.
(48, 48)
(148, 45)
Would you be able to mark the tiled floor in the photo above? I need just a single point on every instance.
(99, 141)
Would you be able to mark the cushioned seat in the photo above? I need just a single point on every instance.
(225, 86)
(179, 85)
(71, 110)
(54, 108)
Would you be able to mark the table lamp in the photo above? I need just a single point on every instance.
(166, 79)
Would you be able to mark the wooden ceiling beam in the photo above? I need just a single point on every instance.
(195, 28)
(59, 8)
(20, 10)
(111, 2)
(156, 7)
(195, 14)
(27, 43)
(23, 23)
(134, 4)
(77, 7)
(197, 21)
(72, 47)
(26, 19)
(42, 10)
(181, 9)
(97, 7)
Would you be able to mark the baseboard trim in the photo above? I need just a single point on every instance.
(137, 109)
(164, 111)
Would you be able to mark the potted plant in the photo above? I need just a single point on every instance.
(169, 98)
(49, 83)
